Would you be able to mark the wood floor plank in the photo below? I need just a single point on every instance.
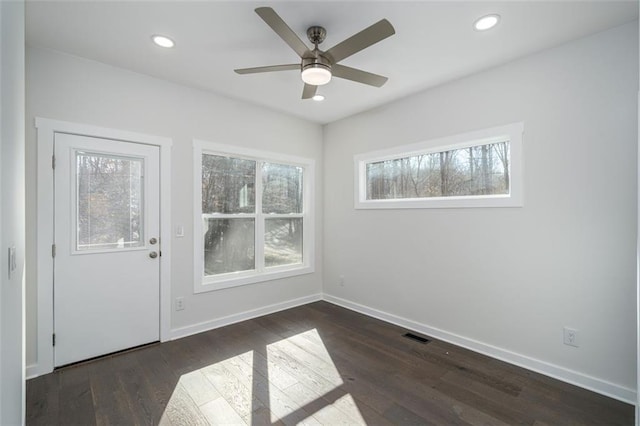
(143, 384)
(399, 415)
(500, 406)
(198, 387)
(314, 364)
(269, 369)
(43, 391)
(76, 404)
(262, 417)
(181, 410)
(323, 409)
(239, 396)
(109, 399)
(220, 412)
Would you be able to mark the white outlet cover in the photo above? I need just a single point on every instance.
(179, 303)
(571, 337)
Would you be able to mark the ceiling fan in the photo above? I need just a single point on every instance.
(317, 66)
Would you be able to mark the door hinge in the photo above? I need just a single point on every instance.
(53, 161)
(53, 339)
(53, 250)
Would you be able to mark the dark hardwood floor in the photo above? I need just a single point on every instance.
(315, 364)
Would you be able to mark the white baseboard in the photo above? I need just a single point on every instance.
(573, 377)
(178, 333)
(566, 375)
(32, 371)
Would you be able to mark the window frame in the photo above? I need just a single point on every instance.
(512, 132)
(261, 273)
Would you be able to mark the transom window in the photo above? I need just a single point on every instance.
(479, 169)
(253, 217)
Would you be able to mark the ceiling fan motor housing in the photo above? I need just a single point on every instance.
(316, 62)
(316, 34)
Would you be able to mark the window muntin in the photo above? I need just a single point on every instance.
(477, 169)
(253, 217)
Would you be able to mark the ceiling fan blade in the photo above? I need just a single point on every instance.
(309, 91)
(365, 38)
(276, 23)
(357, 75)
(269, 68)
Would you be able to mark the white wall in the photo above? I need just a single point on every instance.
(638, 273)
(12, 208)
(67, 88)
(506, 280)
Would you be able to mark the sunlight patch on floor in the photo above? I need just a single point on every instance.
(293, 380)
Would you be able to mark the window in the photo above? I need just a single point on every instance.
(479, 169)
(109, 202)
(253, 216)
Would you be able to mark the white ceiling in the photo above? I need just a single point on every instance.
(434, 42)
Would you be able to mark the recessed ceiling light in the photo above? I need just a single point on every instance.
(486, 22)
(318, 97)
(163, 41)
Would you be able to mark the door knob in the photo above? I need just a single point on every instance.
(153, 240)
(153, 254)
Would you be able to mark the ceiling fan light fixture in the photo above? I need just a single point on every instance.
(486, 22)
(316, 74)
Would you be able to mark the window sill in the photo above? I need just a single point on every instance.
(442, 202)
(240, 279)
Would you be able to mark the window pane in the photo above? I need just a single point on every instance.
(283, 242)
(282, 188)
(109, 202)
(477, 170)
(228, 185)
(229, 245)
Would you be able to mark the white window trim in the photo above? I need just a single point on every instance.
(234, 279)
(513, 132)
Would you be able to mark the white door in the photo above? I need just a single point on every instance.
(107, 254)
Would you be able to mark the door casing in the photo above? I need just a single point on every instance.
(46, 130)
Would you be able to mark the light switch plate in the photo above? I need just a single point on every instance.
(12, 261)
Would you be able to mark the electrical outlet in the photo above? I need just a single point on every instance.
(571, 337)
(341, 280)
(179, 303)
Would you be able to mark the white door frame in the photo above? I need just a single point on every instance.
(46, 130)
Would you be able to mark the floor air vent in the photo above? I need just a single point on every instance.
(416, 338)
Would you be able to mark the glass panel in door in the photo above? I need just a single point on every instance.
(109, 202)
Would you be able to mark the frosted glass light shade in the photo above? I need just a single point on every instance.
(316, 74)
